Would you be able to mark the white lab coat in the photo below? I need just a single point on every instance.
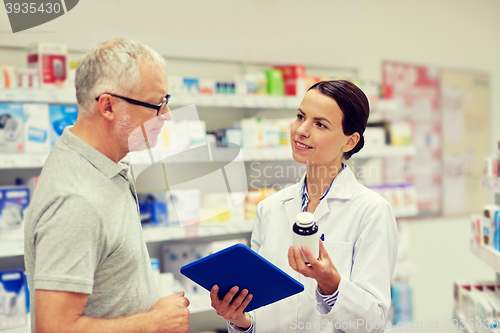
(360, 235)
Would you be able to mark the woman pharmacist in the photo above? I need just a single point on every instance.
(348, 287)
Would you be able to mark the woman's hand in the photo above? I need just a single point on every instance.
(321, 269)
(232, 312)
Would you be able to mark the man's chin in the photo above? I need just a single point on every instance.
(140, 146)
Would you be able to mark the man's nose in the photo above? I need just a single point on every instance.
(166, 115)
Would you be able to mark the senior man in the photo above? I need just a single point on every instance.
(87, 264)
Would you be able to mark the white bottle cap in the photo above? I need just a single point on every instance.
(305, 219)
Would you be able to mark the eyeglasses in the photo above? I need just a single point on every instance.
(157, 107)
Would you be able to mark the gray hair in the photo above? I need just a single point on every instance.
(113, 67)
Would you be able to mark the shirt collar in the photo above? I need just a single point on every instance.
(305, 195)
(96, 158)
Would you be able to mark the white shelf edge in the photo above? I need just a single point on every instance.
(160, 234)
(25, 329)
(488, 255)
(12, 248)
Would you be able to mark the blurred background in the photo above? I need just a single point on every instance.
(429, 68)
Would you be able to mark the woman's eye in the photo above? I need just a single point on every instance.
(299, 116)
(321, 125)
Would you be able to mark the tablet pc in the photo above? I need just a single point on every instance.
(238, 265)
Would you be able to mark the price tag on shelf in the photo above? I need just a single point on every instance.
(205, 100)
(30, 95)
(276, 102)
(191, 231)
(11, 95)
(53, 96)
(249, 101)
(236, 101)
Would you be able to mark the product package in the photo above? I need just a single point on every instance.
(13, 203)
(401, 295)
(153, 208)
(51, 62)
(374, 137)
(294, 78)
(7, 76)
(36, 128)
(12, 299)
(60, 116)
(11, 128)
(275, 82)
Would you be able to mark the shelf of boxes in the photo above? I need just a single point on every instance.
(12, 248)
(490, 256)
(68, 96)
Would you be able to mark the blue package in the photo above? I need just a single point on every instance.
(61, 116)
(37, 134)
(13, 298)
(153, 210)
(13, 203)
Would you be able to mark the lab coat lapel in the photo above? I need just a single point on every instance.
(293, 201)
(321, 210)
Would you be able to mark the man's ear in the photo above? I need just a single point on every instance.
(106, 106)
(351, 142)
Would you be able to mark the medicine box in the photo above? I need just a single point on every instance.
(11, 128)
(60, 116)
(294, 79)
(13, 203)
(51, 62)
(12, 299)
(36, 128)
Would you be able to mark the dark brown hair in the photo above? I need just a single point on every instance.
(354, 105)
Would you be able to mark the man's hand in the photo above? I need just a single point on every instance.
(232, 312)
(322, 269)
(170, 314)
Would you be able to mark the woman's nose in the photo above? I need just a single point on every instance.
(303, 129)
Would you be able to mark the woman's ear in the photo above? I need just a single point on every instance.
(352, 141)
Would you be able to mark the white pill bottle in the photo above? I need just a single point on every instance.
(305, 232)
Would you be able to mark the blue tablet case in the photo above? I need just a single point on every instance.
(240, 266)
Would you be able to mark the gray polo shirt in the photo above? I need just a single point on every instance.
(83, 233)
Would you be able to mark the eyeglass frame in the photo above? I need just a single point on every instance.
(157, 107)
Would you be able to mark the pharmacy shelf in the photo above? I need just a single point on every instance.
(68, 96)
(12, 248)
(159, 234)
(16, 330)
(491, 184)
(24, 160)
(56, 96)
(487, 254)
